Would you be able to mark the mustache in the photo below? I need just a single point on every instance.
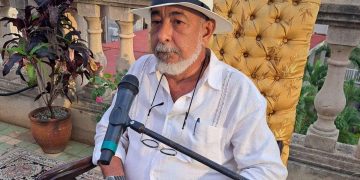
(162, 48)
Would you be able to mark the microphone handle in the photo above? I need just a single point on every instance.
(106, 153)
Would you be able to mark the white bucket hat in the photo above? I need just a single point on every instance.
(203, 6)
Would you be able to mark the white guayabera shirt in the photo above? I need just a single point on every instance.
(232, 129)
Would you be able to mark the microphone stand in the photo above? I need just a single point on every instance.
(140, 128)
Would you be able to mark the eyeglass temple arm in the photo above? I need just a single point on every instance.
(140, 128)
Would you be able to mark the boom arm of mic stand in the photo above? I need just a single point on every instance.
(140, 128)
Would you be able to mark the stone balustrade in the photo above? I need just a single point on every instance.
(343, 37)
(118, 10)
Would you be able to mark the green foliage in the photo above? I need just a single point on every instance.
(355, 57)
(348, 121)
(326, 48)
(104, 84)
(352, 93)
(305, 110)
(315, 75)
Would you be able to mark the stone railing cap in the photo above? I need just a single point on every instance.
(342, 13)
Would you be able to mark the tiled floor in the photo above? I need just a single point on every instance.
(14, 136)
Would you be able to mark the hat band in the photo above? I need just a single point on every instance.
(196, 2)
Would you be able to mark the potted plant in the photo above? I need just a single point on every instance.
(50, 51)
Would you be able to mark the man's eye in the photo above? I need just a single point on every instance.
(155, 22)
(178, 22)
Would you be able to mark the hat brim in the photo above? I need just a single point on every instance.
(223, 26)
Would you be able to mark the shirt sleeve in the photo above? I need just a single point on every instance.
(255, 149)
(102, 125)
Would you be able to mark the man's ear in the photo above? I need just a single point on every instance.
(209, 28)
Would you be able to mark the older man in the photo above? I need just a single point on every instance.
(187, 95)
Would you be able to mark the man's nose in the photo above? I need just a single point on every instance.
(165, 32)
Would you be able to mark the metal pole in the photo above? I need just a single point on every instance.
(140, 128)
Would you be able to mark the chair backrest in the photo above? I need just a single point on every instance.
(270, 44)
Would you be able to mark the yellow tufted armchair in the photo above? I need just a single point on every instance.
(270, 44)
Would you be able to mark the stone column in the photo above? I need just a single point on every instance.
(311, 58)
(91, 13)
(125, 19)
(6, 11)
(322, 56)
(20, 6)
(82, 26)
(330, 100)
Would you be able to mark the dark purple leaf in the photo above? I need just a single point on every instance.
(28, 15)
(13, 34)
(45, 52)
(10, 63)
(81, 40)
(87, 74)
(48, 87)
(83, 51)
(69, 35)
(78, 59)
(18, 70)
(35, 39)
(5, 46)
(39, 96)
(17, 22)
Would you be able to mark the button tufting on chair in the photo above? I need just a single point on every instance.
(237, 35)
(261, 36)
(222, 52)
(258, 38)
(277, 78)
(252, 17)
(271, 113)
(246, 54)
(297, 2)
(230, 14)
(253, 75)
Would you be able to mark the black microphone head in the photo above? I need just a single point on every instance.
(130, 82)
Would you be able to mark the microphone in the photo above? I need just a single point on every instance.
(119, 117)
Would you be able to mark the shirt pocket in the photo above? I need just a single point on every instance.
(203, 139)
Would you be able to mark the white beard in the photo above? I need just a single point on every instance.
(178, 67)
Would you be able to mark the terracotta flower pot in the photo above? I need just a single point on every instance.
(51, 135)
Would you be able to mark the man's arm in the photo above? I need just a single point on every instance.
(115, 168)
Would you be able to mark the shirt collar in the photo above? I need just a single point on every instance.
(213, 74)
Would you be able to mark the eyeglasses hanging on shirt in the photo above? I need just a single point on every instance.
(151, 143)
